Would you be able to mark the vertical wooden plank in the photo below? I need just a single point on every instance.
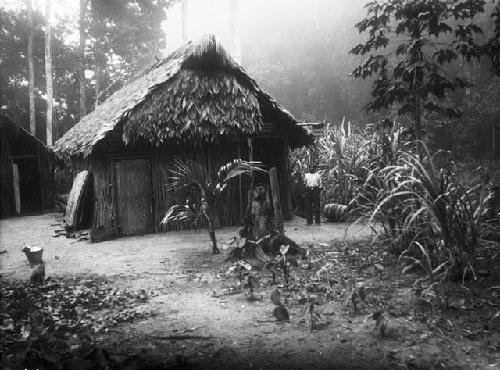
(152, 164)
(287, 201)
(250, 158)
(209, 158)
(111, 192)
(493, 140)
(240, 190)
(275, 192)
(15, 186)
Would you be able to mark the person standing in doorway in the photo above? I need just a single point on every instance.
(313, 193)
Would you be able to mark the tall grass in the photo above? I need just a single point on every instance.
(343, 158)
(427, 216)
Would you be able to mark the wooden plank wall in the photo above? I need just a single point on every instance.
(210, 155)
(213, 156)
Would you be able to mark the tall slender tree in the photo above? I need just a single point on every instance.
(31, 70)
(48, 72)
(81, 57)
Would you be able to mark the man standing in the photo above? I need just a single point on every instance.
(313, 191)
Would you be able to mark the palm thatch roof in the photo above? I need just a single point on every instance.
(196, 93)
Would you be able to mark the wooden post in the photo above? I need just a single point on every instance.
(31, 71)
(81, 60)
(48, 72)
(275, 191)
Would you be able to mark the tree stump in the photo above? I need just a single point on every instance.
(260, 211)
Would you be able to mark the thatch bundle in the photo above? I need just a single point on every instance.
(198, 105)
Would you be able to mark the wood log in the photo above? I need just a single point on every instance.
(275, 189)
(101, 234)
(180, 337)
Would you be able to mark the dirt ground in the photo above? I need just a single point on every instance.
(229, 330)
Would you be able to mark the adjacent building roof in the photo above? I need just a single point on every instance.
(17, 130)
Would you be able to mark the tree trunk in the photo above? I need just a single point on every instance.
(31, 71)
(97, 87)
(100, 64)
(48, 71)
(81, 59)
(209, 214)
(275, 188)
(260, 213)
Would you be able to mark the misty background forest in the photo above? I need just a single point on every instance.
(296, 50)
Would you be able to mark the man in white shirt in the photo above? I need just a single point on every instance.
(313, 193)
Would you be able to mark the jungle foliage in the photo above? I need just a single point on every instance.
(424, 208)
(409, 47)
(121, 38)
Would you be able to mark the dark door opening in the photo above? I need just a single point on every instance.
(29, 184)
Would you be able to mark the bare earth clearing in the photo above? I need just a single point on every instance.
(189, 287)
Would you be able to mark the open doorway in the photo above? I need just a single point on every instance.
(29, 184)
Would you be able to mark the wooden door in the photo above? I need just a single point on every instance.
(134, 196)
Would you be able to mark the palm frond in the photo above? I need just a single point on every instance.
(187, 173)
(178, 213)
(237, 168)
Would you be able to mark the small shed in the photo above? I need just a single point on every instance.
(26, 170)
(198, 104)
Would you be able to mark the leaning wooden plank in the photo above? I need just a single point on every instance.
(74, 200)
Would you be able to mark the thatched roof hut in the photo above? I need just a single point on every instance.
(26, 173)
(197, 97)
